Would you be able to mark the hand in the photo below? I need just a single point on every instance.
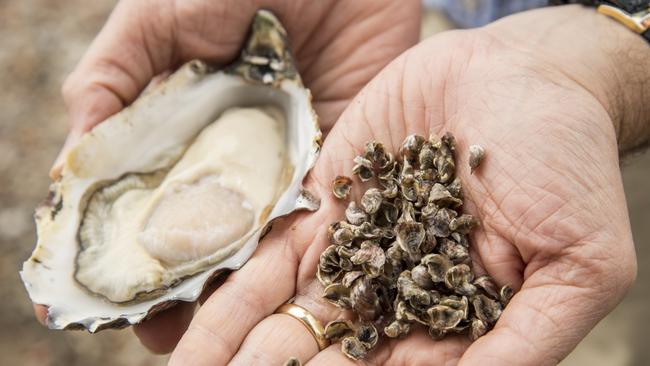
(549, 195)
(339, 47)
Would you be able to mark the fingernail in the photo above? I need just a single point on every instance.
(70, 141)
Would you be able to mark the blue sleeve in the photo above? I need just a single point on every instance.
(475, 13)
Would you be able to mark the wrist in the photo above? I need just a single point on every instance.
(593, 52)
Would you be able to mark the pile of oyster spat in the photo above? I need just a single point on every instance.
(401, 256)
(180, 186)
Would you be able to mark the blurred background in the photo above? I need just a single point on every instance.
(40, 42)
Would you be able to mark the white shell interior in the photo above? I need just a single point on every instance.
(146, 232)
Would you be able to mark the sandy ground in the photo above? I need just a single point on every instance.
(40, 41)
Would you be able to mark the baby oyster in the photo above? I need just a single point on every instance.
(181, 185)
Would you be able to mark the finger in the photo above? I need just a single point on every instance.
(247, 296)
(71, 140)
(275, 340)
(142, 39)
(133, 46)
(41, 313)
(555, 309)
(161, 333)
(415, 349)
(359, 50)
(331, 355)
(280, 336)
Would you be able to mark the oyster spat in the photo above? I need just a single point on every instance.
(161, 197)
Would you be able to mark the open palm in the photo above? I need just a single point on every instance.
(549, 197)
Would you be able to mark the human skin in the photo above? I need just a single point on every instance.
(338, 46)
(546, 100)
(552, 104)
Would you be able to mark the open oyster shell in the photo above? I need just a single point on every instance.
(181, 185)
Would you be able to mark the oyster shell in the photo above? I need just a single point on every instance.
(181, 185)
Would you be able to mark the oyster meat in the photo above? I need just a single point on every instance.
(181, 185)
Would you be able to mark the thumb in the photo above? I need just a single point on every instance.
(142, 39)
(114, 69)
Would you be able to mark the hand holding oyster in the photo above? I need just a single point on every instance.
(179, 186)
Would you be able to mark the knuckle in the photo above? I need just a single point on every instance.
(69, 86)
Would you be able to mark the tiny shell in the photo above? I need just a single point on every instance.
(367, 334)
(353, 348)
(363, 168)
(476, 155)
(505, 294)
(477, 329)
(338, 329)
(293, 362)
(397, 329)
(371, 200)
(341, 186)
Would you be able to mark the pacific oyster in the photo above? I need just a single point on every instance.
(181, 185)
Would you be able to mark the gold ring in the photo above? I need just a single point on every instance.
(308, 320)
